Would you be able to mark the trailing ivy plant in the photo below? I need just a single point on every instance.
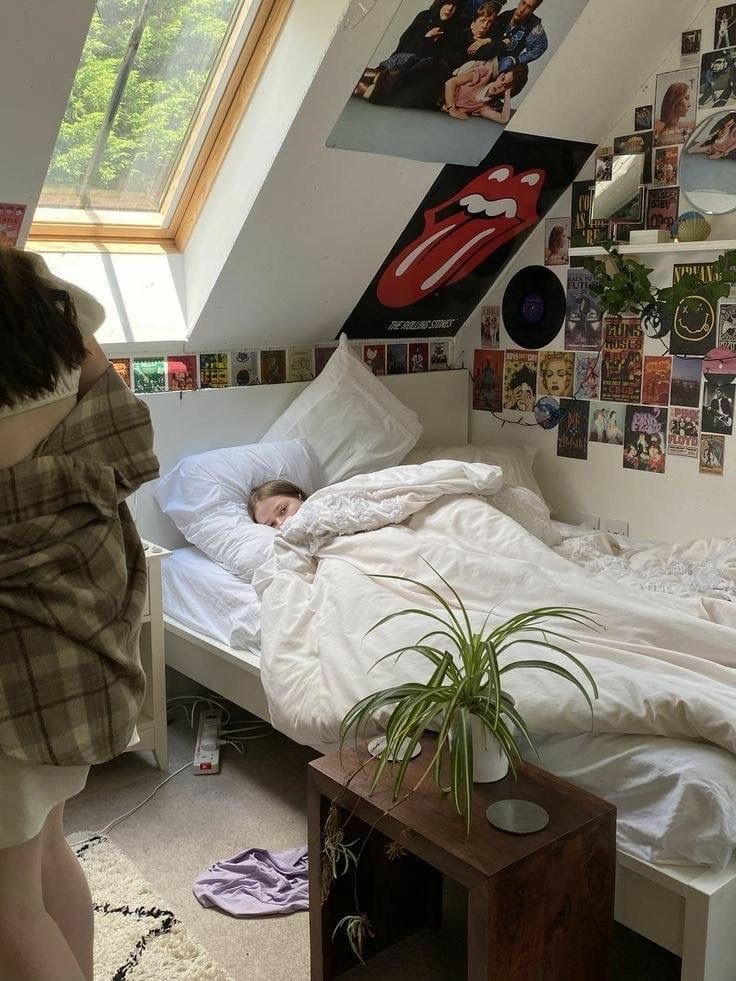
(622, 284)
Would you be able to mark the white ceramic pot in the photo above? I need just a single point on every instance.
(489, 760)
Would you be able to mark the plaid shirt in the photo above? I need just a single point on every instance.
(73, 583)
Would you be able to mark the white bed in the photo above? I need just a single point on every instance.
(687, 910)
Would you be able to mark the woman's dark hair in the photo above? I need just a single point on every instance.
(273, 488)
(556, 238)
(435, 8)
(39, 336)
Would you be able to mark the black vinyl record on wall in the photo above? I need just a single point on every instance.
(533, 307)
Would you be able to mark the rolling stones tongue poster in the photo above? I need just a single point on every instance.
(470, 223)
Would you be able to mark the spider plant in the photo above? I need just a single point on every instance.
(468, 670)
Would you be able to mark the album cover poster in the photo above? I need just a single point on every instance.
(584, 229)
(490, 327)
(690, 47)
(470, 223)
(556, 374)
(374, 355)
(645, 436)
(557, 241)
(322, 355)
(637, 143)
(122, 366)
(685, 387)
(712, 454)
(603, 164)
(300, 364)
(655, 389)
(439, 355)
(643, 117)
(583, 327)
(717, 410)
(396, 359)
(662, 207)
(244, 367)
(694, 327)
(418, 357)
(487, 380)
(675, 105)
(727, 324)
(446, 78)
(587, 383)
(607, 420)
(181, 372)
(273, 367)
(684, 432)
(572, 431)
(724, 35)
(621, 367)
(705, 271)
(666, 162)
(717, 89)
(214, 370)
(11, 220)
(149, 375)
(520, 380)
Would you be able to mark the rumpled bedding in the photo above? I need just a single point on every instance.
(665, 665)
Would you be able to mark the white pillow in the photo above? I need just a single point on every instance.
(515, 461)
(206, 496)
(352, 421)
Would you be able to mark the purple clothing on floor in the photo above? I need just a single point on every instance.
(256, 883)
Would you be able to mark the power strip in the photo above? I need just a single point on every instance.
(207, 749)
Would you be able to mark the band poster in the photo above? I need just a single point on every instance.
(469, 224)
(684, 432)
(621, 369)
(572, 431)
(447, 77)
(645, 437)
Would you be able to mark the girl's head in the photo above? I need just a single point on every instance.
(444, 10)
(39, 336)
(676, 103)
(557, 239)
(556, 371)
(275, 501)
(522, 385)
(515, 78)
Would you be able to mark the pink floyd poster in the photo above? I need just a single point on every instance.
(470, 223)
(446, 78)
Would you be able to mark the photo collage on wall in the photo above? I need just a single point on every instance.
(275, 366)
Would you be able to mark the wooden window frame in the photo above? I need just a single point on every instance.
(238, 92)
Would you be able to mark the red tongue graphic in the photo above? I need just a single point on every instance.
(467, 241)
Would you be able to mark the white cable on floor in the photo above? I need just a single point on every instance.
(117, 820)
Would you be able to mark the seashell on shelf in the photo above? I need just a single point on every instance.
(693, 230)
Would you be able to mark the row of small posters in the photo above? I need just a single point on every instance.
(234, 369)
(649, 405)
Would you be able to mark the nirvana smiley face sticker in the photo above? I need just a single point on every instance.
(468, 225)
(460, 233)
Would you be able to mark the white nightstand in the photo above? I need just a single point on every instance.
(151, 724)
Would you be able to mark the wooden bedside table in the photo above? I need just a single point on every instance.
(151, 724)
(539, 906)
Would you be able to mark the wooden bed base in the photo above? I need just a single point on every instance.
(689, 911)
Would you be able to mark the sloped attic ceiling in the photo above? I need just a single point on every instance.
(325, 219)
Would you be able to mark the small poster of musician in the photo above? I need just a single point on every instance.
(717, 409)
(607, 420)
(572, 431)
(727, 324)
(684, 432)
(643, 117)
(587, 383)
(725, 26)
(621, 368)
(690, 47)
(655, 389)
(490, 327)
(675, 105)
(645, 435)
(557, 241)
(712, 453)
(666, 160)
(583, 328)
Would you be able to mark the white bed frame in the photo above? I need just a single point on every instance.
(689, 911)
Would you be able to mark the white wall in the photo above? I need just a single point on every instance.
(681, 503)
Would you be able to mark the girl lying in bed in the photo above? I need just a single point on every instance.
(275, 501)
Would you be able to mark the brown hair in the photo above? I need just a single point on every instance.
(672, 98)
(556, 238)
(273, 488)
(39, 335)
(491, 8)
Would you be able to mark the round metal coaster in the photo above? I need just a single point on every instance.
(520, 817)
(377, 745)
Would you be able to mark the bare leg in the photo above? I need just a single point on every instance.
(66, 894)
(32, 948)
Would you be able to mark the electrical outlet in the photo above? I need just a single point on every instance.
(616, 526)
(590, 521)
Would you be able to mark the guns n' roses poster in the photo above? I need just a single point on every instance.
(471, 221)
(621, 370)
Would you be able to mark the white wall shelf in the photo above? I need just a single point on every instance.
(711, 245)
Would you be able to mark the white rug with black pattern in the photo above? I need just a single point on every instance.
(137, 938)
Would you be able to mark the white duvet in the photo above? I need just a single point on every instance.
(665, 665)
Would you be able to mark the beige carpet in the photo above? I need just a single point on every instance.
(137, 937)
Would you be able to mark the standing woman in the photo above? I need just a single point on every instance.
(74, 443)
